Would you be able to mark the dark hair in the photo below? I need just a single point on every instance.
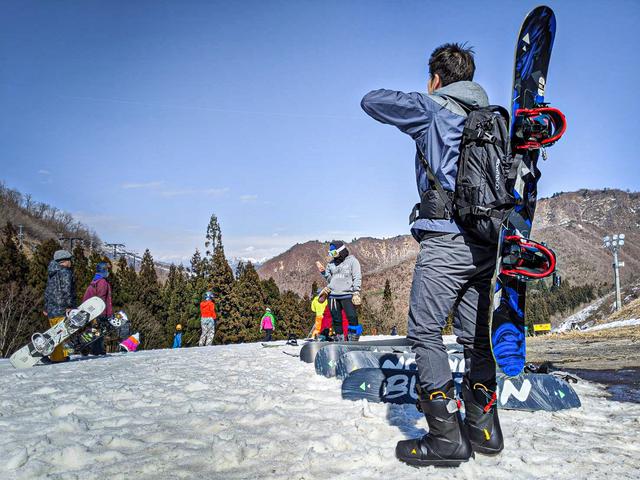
(453, 62)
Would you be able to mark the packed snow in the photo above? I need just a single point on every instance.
(615, 324)
(246, 412)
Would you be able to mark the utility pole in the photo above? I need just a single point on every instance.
(70, 239)
(613, 245)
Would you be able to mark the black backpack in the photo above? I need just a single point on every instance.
(486, 174)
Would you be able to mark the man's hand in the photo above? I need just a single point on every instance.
(320, 267)
(356, 299)
(324, 293)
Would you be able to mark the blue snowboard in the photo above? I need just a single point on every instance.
(507, 312)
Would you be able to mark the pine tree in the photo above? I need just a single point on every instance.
(146, 312)
(14, 266)
(148, 286)
(242, 324)
(199, 283)
(39, 263)
(177, 303)
(81, 272)
(19, 312)
(291, 316)
(388, 311)
(369, 318)
(124, 283)
(222, 279)
(270, 291)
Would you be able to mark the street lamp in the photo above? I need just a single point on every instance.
(613, 244)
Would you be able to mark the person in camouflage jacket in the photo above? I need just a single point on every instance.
(59, 296)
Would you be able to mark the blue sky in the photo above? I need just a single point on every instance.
(143, 118)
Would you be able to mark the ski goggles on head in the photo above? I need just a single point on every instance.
(336, 251)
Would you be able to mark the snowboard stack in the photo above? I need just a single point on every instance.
(385, 371)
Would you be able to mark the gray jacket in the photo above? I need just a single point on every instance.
(435, 123)
(60, 291)
(344, 279)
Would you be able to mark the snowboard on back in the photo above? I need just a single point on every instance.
(527, 391)
(43, 344)
(533, 127)
(310, 349)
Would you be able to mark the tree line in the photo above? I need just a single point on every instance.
(544, 303)
(153, 307)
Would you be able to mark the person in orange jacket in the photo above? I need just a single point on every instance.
(207, 320)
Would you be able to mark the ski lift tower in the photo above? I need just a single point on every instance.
(614, 244)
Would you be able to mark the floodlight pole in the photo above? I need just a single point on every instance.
(616, 274)
(613, 244)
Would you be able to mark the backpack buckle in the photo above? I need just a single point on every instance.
(480, 211)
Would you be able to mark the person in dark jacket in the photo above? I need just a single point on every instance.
(100, 287)
(59, 295)
(452, 272)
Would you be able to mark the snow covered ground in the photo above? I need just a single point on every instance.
(246, 412)
(615, 324)
(580, 316)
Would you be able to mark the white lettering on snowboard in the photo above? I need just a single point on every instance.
(508, 389)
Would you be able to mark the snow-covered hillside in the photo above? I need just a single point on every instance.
(246, 412)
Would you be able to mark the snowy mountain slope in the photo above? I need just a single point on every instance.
(245, 412)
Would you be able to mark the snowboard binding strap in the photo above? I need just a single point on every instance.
(43, 344)
(540, 127)
(526, 260)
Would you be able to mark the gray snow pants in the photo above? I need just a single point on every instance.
(452, 273)
(208, 331)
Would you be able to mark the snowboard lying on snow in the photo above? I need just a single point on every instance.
(357, 359)
(43, 344)
(310, 349)
(330, 359)
(527, 391)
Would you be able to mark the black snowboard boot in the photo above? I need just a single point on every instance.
(446, 444)
(481, 417)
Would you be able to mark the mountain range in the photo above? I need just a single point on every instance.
(573, 224)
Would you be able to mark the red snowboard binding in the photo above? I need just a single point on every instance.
(539, 127)
(526, 260)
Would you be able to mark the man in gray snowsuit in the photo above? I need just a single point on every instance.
(452, 272)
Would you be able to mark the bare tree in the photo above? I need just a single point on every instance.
(16, 314)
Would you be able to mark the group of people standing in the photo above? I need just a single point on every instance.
(60, 298)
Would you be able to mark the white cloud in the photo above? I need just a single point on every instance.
(209, 192)
(248, 198)
(44, 172)
(129, 186)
